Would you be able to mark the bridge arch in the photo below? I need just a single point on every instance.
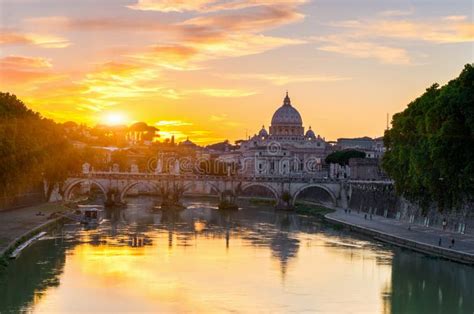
(266, 186)
(210, 184)
(320, 186)
(129, 186)
(72, 185)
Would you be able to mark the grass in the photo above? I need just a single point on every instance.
(312, 209)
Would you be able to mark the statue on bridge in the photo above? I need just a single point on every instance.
(176, 167)
(86, 167)
(159, 166)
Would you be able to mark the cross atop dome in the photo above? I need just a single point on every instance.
(287, 100)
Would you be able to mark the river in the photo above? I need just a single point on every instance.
(205, 260)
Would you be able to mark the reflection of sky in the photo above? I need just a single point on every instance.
(196, 68)
(273, 263)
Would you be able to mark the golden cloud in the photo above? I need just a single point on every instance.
(25, 72)
(174, 123)
(24, 62)
(9, 37)
(283, 79)
(207, 5)
(224, 93)
(13, 78)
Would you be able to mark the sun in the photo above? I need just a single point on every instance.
(114, 118)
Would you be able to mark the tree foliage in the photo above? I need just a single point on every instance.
(32, 148)
(342, 157)
(430, 148)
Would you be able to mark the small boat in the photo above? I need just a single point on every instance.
(91, 214)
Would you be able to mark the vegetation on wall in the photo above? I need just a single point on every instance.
(342, 157)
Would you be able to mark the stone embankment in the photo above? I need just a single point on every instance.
(18, 225)
(435, 242)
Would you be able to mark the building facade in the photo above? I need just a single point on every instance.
(285, 149)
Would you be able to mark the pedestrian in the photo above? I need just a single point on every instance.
(365, 216)
(452, 242)
(444, 223)
(439, 242)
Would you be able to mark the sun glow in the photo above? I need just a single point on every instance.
(114, 118)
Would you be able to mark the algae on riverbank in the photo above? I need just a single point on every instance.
(312, 209)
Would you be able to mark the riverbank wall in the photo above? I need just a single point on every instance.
(50, 224)
(381, 200)
(392, 239)
(31, 196)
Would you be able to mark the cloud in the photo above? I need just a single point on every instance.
(224, 93)
(283, 79)
(174, 123)
(118, 80)
(392, 13)
(175, 57)
(9, 37)
(26, 78)
(442, 30)
(26, 72)
(364, 49)
(24, 62)
(207, 5)
(95, 24)
(185, 44)
(381, 39)
(255, 20)
(455, 18)
(218, 118)
(180, 43)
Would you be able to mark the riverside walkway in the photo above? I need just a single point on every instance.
(412, 236)
(15, 223)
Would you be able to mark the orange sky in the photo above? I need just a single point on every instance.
(214, 69)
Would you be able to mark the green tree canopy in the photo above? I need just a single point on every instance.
(430, 148)
(342, 157)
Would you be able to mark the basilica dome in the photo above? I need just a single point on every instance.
(263, 132)
(310, 134)
(287, 115)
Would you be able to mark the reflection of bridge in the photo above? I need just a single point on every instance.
(285, 190)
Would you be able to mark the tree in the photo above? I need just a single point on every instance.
(342, 157)
(430, 148)
(32, 148)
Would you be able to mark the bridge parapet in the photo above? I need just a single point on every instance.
(119, 183)
(187, 177)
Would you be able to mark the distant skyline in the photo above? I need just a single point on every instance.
(215, 70)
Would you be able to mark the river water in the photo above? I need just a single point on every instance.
(205, 260)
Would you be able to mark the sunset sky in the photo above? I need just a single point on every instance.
(215, 69)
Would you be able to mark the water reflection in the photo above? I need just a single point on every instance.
(203, 260)
(436, 286)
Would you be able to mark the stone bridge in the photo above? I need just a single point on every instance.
(285, 190)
